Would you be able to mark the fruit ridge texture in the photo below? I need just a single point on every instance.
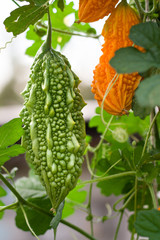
(54, 128)
(93, 10)
(116, 31)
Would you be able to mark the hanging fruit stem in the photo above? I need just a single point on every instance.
(48, 43)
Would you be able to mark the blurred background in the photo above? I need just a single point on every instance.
(83, 54)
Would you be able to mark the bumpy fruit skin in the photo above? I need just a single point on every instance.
(54, 128)
(115, 32)
(93, 10)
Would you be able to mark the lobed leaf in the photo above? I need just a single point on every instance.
(146, 35)
(30, 187)
(148, 224)
(10, 132)
(39, 222)
(7, 153)
(147, 94)
(21, 18)
(130, 59)
(61, 4)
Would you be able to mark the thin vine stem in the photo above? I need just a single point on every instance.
(13, 190)
(69, 33)
(153, 140)
(131, 193)
(55, 233)
(110, 85)
(91, 149)
(27, 222)
(119, 224)
(24, 202)
(16, 3)
(129, 173)
(97, 176)
(89, 207)
(135, 207)
(148, 134)
(11, 206)
(154, 200)
(77, 229)
(5, 46)
(143, 13)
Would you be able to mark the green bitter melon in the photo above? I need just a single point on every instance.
(54, 128)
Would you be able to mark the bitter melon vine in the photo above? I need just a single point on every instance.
(54, 128)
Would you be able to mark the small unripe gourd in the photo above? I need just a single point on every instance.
(54, 128)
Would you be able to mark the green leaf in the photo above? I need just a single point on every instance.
(2, 192)
(131, 222)
(117, 184)
(60, 4)
(30, 187)
(103, 165)
(75, 198)
(39, 2)
(148, 224)
(143, 198)
(39, 222)
(7, 153)
(57, 218)
(138, 110)
(131, 123)
(32, 34)
(10, 132)
(21, 18)
(115, 156)
(146, 35)
(1, 213)
(60, 22)
(148, 91)
(130, 59)
(149, 172)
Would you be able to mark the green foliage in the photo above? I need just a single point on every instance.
(124, 148)
(74, 200)
(131, 123)
(56, 219)
(10, 133)
(33, 35)
(138, 110)
(130, 59)
(147, 94)
(148, 224)
(62, 31)
(39, 222)
(61, 4)
(1, 213)
(7, 153)
(30, 187)
(21, 18)
(3, 193)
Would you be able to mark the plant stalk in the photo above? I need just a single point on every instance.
(119, 224)
(154, 198)
(16, 3)
(129, 173)
(89, 207)
(148, 134)
(27, 203)
(69, 33)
